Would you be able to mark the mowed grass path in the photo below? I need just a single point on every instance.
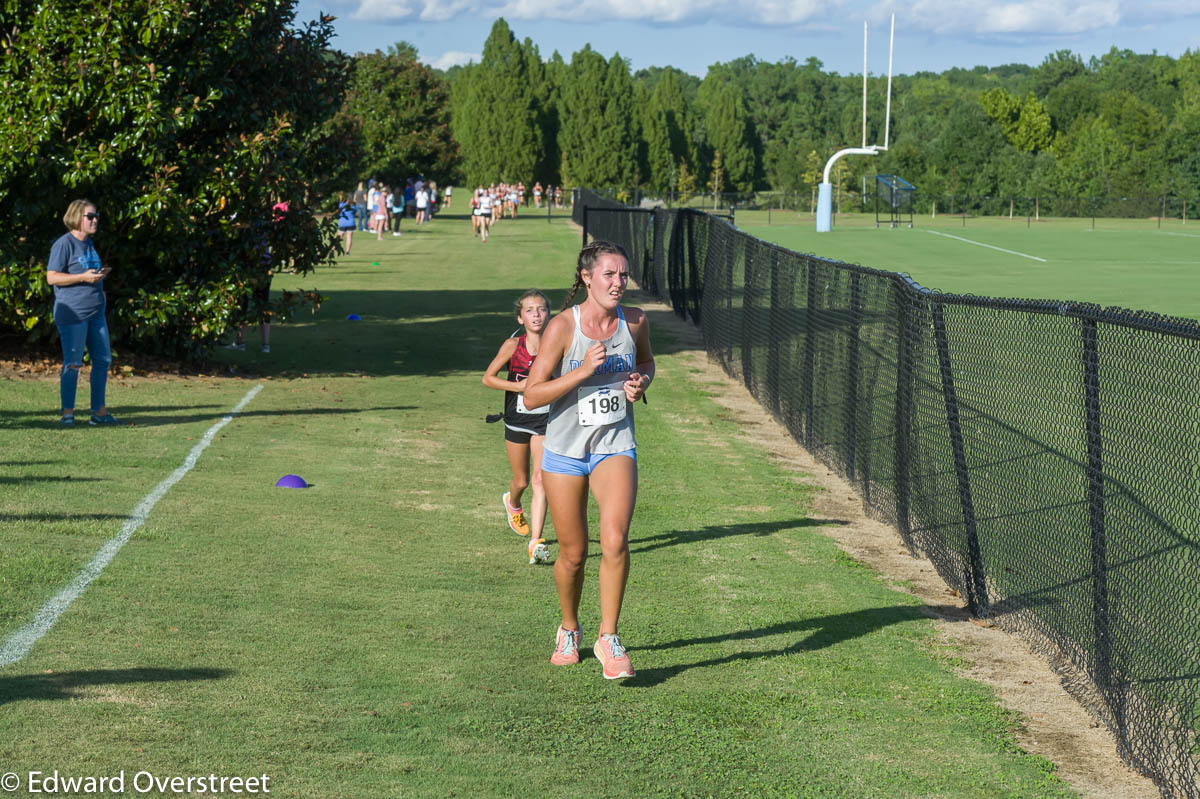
(380, 634)
(1127, 263)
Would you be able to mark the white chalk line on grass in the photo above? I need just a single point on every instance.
(989, 246)
(1149, 232)
(21, 642)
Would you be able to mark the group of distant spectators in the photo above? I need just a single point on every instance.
(376, 208)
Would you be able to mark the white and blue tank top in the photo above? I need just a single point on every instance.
(573, 429)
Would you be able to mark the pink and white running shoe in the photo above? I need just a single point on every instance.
(566, 647)
(609, 651)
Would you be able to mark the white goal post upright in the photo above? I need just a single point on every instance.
(825, 190)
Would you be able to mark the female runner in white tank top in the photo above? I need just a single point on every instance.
(593, 365)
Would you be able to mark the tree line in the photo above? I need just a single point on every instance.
(159, 113)
(1120, 124)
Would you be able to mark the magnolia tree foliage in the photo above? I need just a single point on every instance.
(184, 122)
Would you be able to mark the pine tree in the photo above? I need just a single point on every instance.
(663, 124)
(716, 178)
(668, 96)
(813, 172)
(595, 136)
(497, 122)
(641, 106)
(619, 130)
(727, 130)
(685, 183)
(659, 159)
(544, 81)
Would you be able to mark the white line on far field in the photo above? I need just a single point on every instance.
(21, 642)
(989, 246)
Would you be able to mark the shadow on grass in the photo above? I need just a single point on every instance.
(133, 416)
(61, 685)
(17, 518)
(33, 478)
(39, 418)
(824, 632)
(399, 333)
(713, 532)
(155, 421)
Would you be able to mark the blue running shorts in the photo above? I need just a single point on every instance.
(580, 467)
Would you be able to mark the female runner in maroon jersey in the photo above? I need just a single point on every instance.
(524, 428)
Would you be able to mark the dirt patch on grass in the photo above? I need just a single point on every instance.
(1055, 725)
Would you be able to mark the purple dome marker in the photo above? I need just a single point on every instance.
(291, 481)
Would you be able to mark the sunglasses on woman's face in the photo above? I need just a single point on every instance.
(91, 216)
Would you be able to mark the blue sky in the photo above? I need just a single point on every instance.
(930, 34)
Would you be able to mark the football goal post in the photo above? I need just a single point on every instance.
(825, 189)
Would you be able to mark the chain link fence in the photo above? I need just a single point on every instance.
(1044, 455)
(1158, 209)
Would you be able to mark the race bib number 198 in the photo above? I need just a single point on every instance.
(601, 405)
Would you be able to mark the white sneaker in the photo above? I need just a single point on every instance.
(239, 346)
(538, 552)
(266, 348)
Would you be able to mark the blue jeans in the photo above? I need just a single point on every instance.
(94, 334)
(362, 216)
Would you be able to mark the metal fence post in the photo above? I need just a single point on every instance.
(1095, 498)
(749, 314)
(810, 354)
(729, 302)
(977, 599)
(904, 402)
(852, 370)
(775, 348)
(585, 225)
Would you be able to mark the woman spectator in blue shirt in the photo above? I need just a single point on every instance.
(75, 272)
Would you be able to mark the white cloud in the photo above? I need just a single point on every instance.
(1030, 17)
(746, 12)
(385, 10)
(453, 58)
(986, 18)
(1022, 17)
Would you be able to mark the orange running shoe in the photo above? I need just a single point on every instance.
(566, 647)
(609, 651)
(516, 517)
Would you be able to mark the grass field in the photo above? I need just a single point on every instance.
(380, 634)
(1129, 263)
